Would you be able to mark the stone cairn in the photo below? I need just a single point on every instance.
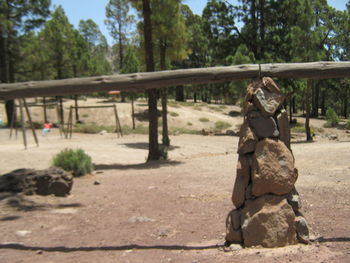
(266, 202)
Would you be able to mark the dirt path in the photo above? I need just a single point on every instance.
(171, 211)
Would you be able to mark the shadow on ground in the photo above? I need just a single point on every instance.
(144, 146)
(147, 165)
(103, 248)
(22, 202)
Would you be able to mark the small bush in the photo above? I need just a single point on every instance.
(189, 123)
(347, 125)
(221, 125)
(204, 120)
(75, 161)
(332, 118)
(177, 131)
(174, 114)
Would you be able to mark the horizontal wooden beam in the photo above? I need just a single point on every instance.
(143, 81)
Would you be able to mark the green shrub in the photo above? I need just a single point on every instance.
(75, 161)
(221, 125)
(347, 125)
(332, 118)
(189, 123)
(174, 114)
(179, 130)
(140, 129)
(204, 120)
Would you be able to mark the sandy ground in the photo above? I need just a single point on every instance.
(168, 211)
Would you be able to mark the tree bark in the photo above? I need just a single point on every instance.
(307, 108)
(153, 148)
(180, 95)
(76, 109)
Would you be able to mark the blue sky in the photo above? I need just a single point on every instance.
(95, 9)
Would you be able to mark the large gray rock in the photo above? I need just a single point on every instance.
(283, 127)
(242, 180)
(233, 227)
(42, 182)
(267, 102)
(262, 127)
(247, 139)
(302, 230)
(273, 168)
(268, 221)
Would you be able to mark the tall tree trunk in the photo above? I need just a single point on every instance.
(179, 95)
(307, 106)
(133, 112)
(323, 102)
(164, 99)
(45, 110)
(76, 109)
(4, 75)
(195, 97)
(290, 109)
(153, 150)
(345, 103)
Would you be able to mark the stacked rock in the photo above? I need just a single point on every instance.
(266, 202)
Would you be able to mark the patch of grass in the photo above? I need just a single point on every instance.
(177, 131)
(300, 128)
(197, 107)
(204, 119)
(75, 161)
(92, 128)
(174, 114)
(221, 125)
(85, 115)
(215, 108)
(189, 123)
(173, 104)
(140, 129)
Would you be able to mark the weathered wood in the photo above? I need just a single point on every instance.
(149, 80)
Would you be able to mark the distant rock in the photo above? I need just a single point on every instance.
(54, 181)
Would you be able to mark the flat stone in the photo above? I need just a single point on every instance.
(242, 180)
(268, 221)
(233, 227)
(283, 127)
(247, 139)
(294, 200)
(261, 126)
(273, 168)
(302, 230)
(267, 102)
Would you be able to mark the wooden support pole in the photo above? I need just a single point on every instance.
(31, 122)
(133, 112)
(23, 125)
(45, 111)
(59, 120)
(13, 122)
(151, 80)
(118, 127)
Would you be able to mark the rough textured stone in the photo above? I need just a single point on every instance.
(273, 168)
(270, 85)
(268, 221)
(302, 230)
(247, 139)
(283, 127)
(242, 180)
(294, 199)
(233, 227)
(248, 192)
(267, 102)
(42, 182)
(261, 126)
